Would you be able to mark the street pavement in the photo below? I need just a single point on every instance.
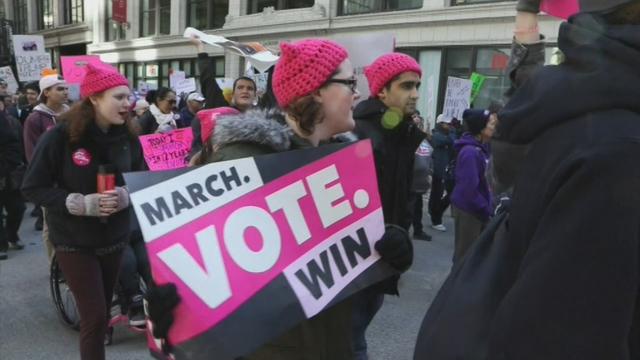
(31, 330)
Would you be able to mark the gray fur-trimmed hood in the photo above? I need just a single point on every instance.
(254, 126)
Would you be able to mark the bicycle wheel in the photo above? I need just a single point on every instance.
(62, 297)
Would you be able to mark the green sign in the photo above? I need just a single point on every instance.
(477, 81)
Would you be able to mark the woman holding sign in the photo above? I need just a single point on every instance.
(314, 83)
(88, 226)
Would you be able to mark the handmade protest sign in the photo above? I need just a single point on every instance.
(30, 56)
(257, 245)
(457, 97)
(74, 68)
(259, 56)
(477, 80)
(167, 151)
(6, 73)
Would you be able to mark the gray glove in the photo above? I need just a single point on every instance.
(123, 197)
(530, 6)
(83, 205)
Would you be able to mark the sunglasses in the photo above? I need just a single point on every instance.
(351, 83)
(172, 101)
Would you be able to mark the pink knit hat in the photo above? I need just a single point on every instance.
(304, 67)
(386, 67)
(98, 79)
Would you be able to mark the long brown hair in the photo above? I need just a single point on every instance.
(82, 114)
(307, 113)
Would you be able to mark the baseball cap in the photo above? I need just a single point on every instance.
(443, 119)
(195, 96)
(49, 79)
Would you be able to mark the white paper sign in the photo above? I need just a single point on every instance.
(175, 77)
(28, 44)
(185, 86)
(7, 74)
(456, 99)
(31, 57)
(363, 51)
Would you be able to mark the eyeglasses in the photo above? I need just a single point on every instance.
(351, 83)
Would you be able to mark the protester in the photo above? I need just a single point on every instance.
(140, 107)
(133, 267)
(53, 98)
(160, 118)
(31, 91)
(88, 229)
(11, 105)
(314, 83)
(422, 170)
(471, 198)
(11, 158)
(442, 140)
(385, 118)
(195, 102)
(4, 87)
(575, 205)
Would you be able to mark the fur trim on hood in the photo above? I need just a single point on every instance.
(254, 126)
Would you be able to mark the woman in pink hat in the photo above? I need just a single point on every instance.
(315, 86)
(88, 228)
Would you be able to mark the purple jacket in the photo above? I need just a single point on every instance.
(471, 192)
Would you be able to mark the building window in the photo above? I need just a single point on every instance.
(20, 16)
(204, 14)
(155, 17)
(113, 30)
(73, 11)
(354, 7)
(45, 14)
(473, 2)
(156, 73)
(256, 6)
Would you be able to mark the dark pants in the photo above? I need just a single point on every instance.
(366, 305)
(438, 200)
(415, 206)
(135, 264)
(12, 203)
(91, 279)
(467, 229)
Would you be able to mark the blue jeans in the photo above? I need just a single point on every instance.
(366, 304)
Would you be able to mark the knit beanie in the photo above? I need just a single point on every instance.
(475, 120)
(386, 67)
(99, 79)
(208, 118)
(304, 67)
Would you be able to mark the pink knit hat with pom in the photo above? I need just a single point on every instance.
(386, 67)
(304, 67)
(100, 78)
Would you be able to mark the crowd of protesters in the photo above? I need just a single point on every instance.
(559, 157)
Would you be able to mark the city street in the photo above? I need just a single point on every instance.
(30, 328)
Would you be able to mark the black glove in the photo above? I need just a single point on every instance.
(396, 248)
(161, 300)
(530, 6)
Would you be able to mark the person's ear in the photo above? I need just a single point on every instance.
(94, 100)
(317, 96)
(382, 95)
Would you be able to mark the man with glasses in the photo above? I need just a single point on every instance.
(53, 98)
(386, 119)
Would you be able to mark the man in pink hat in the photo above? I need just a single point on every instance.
(385, 119)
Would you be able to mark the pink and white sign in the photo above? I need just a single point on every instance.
(560, 8)
(225, 236)
(167, 151)
(74, 68)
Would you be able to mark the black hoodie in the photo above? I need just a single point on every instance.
(575, 219)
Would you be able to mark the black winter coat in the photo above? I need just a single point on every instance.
(575, 219)
(59, 168)
(394, 152)
(11, 155)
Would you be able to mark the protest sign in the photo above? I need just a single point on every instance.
(457, 97)
(167, 151)
(477, 80)
(175, 77)
(363, 51)
(259, 56)
(75, 67)
(256, 245)
(560, 8)
(185, 86)
(30, 56)
(6, 73)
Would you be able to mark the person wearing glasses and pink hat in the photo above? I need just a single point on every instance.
(314, 84)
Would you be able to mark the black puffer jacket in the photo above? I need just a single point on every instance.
(575, 219)
(59, 168)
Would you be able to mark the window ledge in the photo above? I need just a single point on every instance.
(269, 16)
(63, 30)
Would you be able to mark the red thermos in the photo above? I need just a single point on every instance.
(106, 181)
